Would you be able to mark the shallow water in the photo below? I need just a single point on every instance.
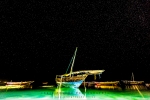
(73, 94)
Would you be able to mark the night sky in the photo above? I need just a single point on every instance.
(38, 38)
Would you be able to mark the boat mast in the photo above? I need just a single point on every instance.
(132, 77)
(73, 61)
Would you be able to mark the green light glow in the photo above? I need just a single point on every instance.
(52, 93)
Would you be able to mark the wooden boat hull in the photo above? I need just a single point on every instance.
(70, 84)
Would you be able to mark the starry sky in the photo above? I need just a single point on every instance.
(38, 38)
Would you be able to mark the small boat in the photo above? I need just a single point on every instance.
(19, 83)
(16, 83)
(44, 83)
(76, 78)
(26, 84)
(148, 85)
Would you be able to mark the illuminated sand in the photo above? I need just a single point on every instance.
(73, 94)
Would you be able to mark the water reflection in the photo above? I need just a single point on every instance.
(68, 93)
(73, 94)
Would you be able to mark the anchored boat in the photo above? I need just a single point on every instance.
(76, 78)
